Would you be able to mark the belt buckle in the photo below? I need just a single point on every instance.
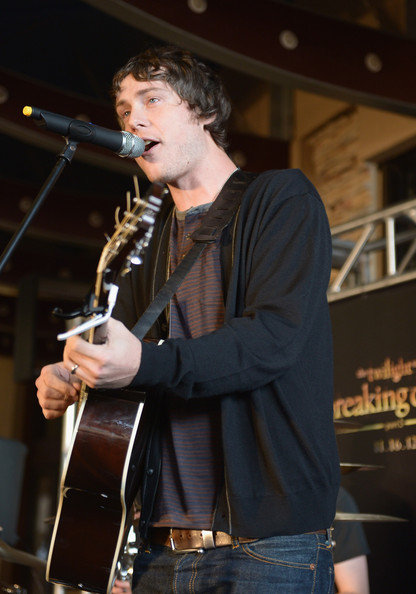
(208, 539)
(208, 542)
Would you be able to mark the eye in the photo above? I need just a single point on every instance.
(152, 100)
(124, 114)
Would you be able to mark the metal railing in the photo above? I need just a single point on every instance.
(374, 251)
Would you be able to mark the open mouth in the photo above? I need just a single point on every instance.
(149, 144)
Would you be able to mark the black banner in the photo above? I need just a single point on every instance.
(375, 416)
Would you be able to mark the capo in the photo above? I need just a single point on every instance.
(96, 319)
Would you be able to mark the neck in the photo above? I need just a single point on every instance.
(203, 186)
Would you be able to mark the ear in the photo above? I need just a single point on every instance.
(207, 120)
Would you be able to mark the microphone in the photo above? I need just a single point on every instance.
(123, 143)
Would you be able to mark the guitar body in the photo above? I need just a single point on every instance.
(98, 487)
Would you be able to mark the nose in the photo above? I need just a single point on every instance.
(135, 120)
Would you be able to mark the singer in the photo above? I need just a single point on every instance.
(242, 472)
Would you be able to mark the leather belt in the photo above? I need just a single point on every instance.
(183, 540)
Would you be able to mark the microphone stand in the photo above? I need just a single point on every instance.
(64, 159)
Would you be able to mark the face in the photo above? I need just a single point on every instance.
(176, 142)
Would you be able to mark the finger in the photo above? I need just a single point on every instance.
(74, 351)
(100, 334)
(87, 371)
(87, 361)
(80, 352)
(50, 399)
(52, 409)
(55, 393)
(56, 382)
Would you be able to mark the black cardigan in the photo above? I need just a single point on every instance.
(270, 363)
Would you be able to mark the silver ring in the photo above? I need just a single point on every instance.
(74, 368)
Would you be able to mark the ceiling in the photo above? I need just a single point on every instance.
(61, 55)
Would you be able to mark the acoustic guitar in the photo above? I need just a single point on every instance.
(102, 468)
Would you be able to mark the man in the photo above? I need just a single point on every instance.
(241, 474)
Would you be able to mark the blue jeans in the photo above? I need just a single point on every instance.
(300, 564)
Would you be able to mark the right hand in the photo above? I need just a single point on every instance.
(57, 389)
(121, 587)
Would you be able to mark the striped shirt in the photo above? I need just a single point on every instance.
(191, 451)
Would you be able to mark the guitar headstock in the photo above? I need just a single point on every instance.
(132, 233)
(124, 248)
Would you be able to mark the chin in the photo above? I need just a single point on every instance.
(156, 177)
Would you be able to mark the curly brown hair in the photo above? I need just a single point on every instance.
(192, 80)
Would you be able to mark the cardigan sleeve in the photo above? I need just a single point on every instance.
(277, 295)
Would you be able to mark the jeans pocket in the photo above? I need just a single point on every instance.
(299, 551)
(300, 563)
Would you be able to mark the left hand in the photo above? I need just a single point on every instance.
(111, 362)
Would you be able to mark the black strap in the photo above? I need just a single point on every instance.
(216, 219)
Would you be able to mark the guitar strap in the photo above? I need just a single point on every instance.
(214, 222)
